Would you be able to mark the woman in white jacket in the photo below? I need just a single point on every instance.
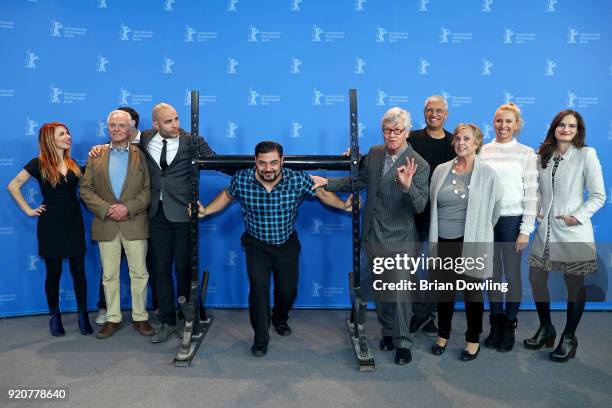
(564, 239)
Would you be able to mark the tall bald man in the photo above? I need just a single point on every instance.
(168, 152)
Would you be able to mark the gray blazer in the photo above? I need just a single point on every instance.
(388, 223)
(579, 170)
(175, 182)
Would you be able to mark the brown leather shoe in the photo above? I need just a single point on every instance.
(144, 328)
(108, 330)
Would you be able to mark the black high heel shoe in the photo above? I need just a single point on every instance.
(566, 349)
(545, 336)
(84, 325)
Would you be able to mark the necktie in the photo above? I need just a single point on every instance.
(162, 160)
(389, 161)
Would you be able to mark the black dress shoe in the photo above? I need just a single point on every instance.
(438, 350)
(386, 344)
(466, 356)
(402, 356)
(545, 336)
(418, 322)
(163, 333)
(259, 350)
(566, 349)
(282, 328)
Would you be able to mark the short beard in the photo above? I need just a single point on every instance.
(276, 176)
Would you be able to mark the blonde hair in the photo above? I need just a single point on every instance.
(476, 132)
(512, 107)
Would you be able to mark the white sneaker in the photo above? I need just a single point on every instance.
(101, 318)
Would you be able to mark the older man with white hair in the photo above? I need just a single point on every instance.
(116, 189)
(396, 179)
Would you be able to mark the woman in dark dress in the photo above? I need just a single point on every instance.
(60, 224)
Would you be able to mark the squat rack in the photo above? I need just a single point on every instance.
(197, 320)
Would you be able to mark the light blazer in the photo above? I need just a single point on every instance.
(388, 222)
(98, 195)
(175, 182)
(483, 210)
(579, 169)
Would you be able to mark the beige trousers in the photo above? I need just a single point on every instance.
(110, 255)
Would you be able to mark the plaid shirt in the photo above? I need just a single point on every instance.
(270, 217)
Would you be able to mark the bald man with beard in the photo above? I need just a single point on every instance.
(168, 151)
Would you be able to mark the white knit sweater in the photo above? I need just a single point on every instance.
(516, 166)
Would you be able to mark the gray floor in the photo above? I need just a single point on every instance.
(314, 367)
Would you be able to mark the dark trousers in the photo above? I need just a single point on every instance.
(474, 307)
(283, 261)
(152, 280)
(423, 304)
(507, 264)
(79, 281)
(171, 243)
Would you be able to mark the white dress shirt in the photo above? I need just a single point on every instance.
(155, 147)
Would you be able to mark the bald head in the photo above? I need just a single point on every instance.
(166, 120)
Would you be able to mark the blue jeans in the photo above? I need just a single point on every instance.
(507, 263)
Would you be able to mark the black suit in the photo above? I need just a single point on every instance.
(169, 226)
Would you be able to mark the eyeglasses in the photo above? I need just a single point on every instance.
(429, 111)
(397, 132)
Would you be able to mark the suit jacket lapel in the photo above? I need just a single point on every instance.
(105, 158)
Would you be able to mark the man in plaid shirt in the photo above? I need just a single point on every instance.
(270, 196)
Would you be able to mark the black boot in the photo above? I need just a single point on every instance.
(545, 336)
(492, 341)
(55, 324)
(566, 349)
(84, 325)
(506, 341)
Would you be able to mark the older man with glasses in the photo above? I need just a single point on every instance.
(396, 178)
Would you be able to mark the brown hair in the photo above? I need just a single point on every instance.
(548, 146)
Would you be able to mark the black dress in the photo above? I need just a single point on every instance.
(60, 228)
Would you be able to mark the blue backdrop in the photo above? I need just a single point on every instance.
(281, 70)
